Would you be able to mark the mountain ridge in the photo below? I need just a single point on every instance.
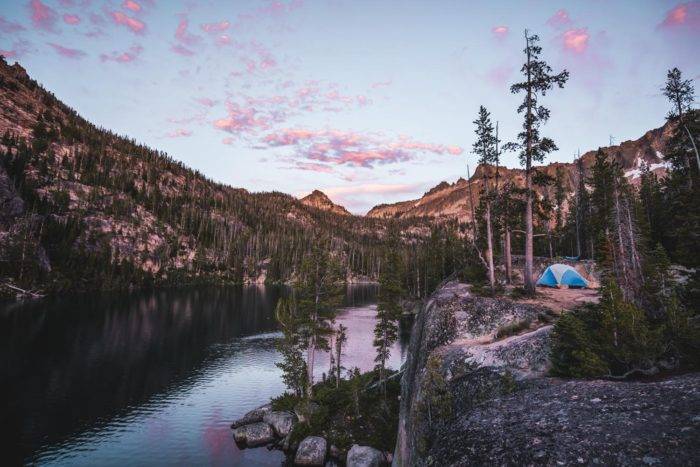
(453, 200)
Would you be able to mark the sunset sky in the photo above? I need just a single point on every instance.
(370, 101)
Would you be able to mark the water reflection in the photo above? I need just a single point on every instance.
(149, 377)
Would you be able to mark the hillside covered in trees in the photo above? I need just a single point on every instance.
(84, 208)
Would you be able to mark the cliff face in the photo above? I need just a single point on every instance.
(454, 200)
(318, 200)
(474, 394)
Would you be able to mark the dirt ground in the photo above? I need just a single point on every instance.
(562, 299)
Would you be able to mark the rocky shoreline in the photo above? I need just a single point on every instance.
(264, 426)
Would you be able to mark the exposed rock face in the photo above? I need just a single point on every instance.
(281, 422)
(311, 451)
(318, 199)
(254, 434)
(503, 409)
(255, 415)
(579, 422)
(364, 456)
(453, 200)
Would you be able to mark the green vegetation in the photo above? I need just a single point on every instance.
(352, 412)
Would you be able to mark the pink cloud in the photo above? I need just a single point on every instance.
(131, 5)
(67, 52)
(10, 27)
(182, 50)
(560, 19)
(71, 19)
(313, 167)
(216, 27)
(223, 39)
(136, 26)
(186, 40)
(352, 149)
(228, 140)
(206, 102)
(123, 57)
(683, 16)
(575, 40)
(180, 132)
(499, 32)
(43, 16)
(241, 119)
(183, 36)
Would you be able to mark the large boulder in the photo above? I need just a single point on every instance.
(311, 451)
(364, 456)
(255, 415)
(254, 434)
(281, 422)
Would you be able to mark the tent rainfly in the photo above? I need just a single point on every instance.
(560, 274)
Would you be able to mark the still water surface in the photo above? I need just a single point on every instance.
(153, 377)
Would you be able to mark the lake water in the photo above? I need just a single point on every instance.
(153, 377)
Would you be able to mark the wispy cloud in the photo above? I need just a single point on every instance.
(575, 40)
(71, 19)
(126, 56)
(560, 19)
(500, 32)
(10, 27)
(683, 16)
(353, 149)
(67, 51)
(179, 133)
(131, 5)
(135, 25)
(42, 16)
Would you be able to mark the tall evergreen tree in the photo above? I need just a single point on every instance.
(319, 291)
(681, 94)
(532, 146)
(388, 305)
(486, 148)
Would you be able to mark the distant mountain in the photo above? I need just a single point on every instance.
(452, 200)
(84, 208)
(319, 200)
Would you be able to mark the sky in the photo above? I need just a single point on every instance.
(370, 101)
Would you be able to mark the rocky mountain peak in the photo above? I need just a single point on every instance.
(319, 200)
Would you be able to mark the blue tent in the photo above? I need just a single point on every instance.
(561, 274)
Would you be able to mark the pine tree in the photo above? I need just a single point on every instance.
(341, 338)
(388, 305)
(290, 346)
(681, 94)
(533, 147)
(486, 148)
(319, 291)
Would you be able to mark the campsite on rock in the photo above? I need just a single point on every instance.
(294, 232)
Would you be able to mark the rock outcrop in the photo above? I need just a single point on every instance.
(364, 456)
(476, 391)
(319, 200)
(311, 451)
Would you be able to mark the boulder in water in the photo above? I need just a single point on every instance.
(255, 415)
(254, 434)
